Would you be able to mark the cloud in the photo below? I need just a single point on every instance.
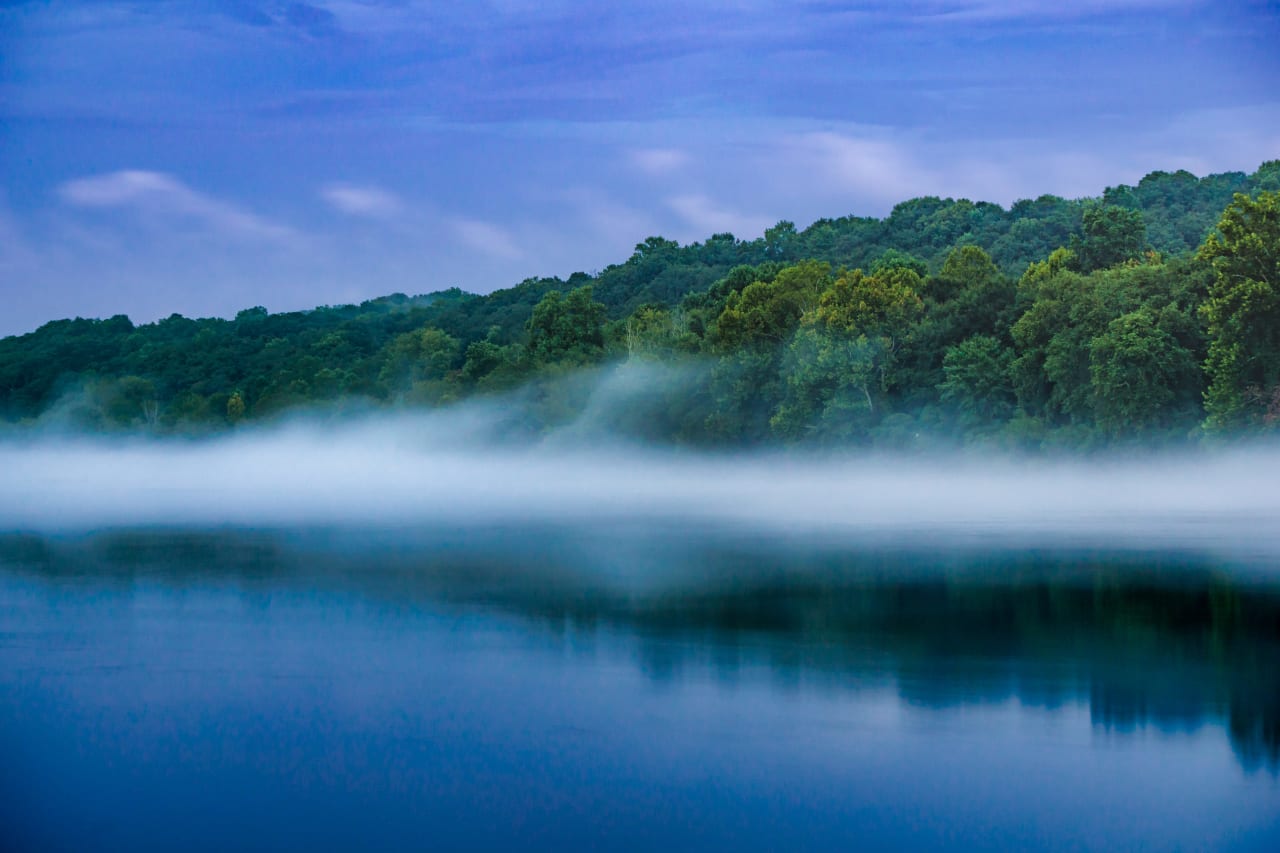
(313, 20)
(486, 237)
(870, 167)
(943, 11)
(615, 227)
(361, 200)
(707, 217)
(160, 195)
(659, 161)
(1203, 139)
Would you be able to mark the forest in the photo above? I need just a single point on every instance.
(1148, 315)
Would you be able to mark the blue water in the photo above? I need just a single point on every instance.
(272, 692)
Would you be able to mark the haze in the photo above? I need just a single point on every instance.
(448, 468)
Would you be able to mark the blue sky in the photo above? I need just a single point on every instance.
(201, 157)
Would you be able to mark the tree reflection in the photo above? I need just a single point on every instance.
(1169, 641)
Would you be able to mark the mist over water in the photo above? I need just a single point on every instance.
(456, 468)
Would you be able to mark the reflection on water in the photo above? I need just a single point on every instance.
(632, 687)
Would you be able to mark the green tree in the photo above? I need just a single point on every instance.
(1137, 368)
(235, 407)
(484, 359)
(417, 363)
(780, 241)
(970, 296)
(831, 384)
(750, 336)
(567, 327)
(1112, 235)
(766, 313)
(653, 332)
(129, 401)
(1243, 313)
(978, 380)
(893, 258)
(1051, 342)
(837, 368)
(880, 305)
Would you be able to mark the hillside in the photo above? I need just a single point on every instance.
(1055, 322)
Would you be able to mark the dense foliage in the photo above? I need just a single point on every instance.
(1149, 314)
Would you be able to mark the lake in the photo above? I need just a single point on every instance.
(630, 686)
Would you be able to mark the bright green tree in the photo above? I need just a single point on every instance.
(1243, 313)
(880, 305)
(764, 314)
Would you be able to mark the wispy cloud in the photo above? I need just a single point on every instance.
(870, 167)
(157, 194)
(659, 161)
(310, 19)
(356, 200)
(1003, 10)
(613, 225)
(705, 216)
(486, 237)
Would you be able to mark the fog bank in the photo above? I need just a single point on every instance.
(448, 470)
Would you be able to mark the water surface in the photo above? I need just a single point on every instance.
(629, 687)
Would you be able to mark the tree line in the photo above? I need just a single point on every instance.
(1149, 314)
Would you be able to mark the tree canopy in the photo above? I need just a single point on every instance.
(1148, 314)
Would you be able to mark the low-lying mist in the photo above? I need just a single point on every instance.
(460, 467)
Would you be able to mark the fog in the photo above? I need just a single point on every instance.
(450, 469)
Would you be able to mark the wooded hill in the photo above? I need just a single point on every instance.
(1149, 314)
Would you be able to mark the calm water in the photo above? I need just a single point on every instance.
(628, 688)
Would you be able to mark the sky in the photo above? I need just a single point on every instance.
(203, 156)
